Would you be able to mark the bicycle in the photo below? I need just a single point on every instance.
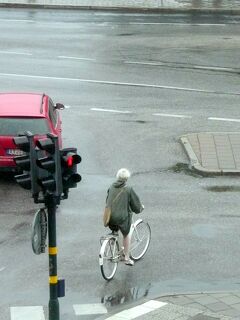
(111, 253)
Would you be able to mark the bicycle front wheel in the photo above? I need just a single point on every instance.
(108, 258)
(140, 240)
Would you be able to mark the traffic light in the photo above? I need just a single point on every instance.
(27, 163)
(50, 178)
(69, 161)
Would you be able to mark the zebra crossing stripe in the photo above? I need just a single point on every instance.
(87, 309)
(27, 313)
(138, 311)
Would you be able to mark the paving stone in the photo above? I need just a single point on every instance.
(219, 306)
(236, 306)
(219, 295)
(231, 312)
(196, 305)
(204, 317)
(182, 300)
(230, 299)
(160, 314)
(206, 299)
(183, 310)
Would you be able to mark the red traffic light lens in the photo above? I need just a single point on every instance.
(70, 161)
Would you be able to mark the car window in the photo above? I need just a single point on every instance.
(52, 113)
(14, 126)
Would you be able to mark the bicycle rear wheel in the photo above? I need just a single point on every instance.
(140, 240)
(108, 258)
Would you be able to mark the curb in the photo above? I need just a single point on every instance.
(131, 9)
(121, 312)
(195, 164)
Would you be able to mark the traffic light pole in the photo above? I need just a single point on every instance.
(50, 174)
(52, 251)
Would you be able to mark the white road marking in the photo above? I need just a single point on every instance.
(76, 58)
(185, 66)
(224, 119)
(109, 110)
(171, 115)
(87, 309)
(16, 20)
(146, 63)
(180, 24)
(14, 52)
(141, 85)
(138, 311)
(3, 268)
(27, 313)
(216, 68)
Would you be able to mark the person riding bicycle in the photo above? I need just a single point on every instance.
(123, 201)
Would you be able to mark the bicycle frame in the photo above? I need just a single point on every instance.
(111, 251)
(133, 227)
(114, 252)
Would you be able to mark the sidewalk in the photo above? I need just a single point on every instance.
(213, 152)
(206, 6)
(205, 306)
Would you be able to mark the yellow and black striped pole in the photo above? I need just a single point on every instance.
(52, 252)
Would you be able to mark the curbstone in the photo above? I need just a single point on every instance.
(213, 159)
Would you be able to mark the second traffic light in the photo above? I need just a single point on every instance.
(50, 178)
(69, 161)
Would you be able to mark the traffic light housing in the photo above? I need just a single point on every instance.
(69, 161)
(27, 163)
(47, 171)
(50, 180)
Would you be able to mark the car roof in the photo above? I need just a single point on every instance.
(23, 105)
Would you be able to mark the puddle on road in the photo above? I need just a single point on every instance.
(223, 188)
(126, 34)
(126, 296)
(136, 121)
(227, 216)
(177, 168)
(186, 169)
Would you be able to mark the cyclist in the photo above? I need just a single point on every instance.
(123, 201)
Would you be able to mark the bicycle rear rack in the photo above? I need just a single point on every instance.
(108, 236)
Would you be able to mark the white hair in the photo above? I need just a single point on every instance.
(123, 174)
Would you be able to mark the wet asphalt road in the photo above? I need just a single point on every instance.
(161, 75)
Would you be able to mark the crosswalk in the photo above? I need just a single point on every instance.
(38, 312)
(27, 313)
(97, 309)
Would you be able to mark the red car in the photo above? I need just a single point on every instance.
(20, 112)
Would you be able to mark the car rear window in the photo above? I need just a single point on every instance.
(14, 126)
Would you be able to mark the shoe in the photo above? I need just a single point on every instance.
(129, 262)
